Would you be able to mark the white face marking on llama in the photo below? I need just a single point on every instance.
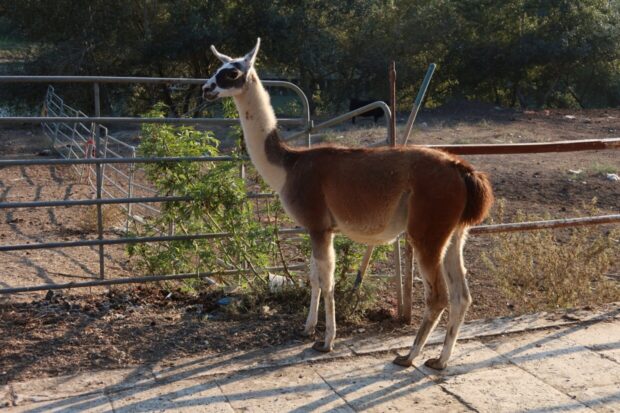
(230, 78)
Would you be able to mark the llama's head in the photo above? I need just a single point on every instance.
(231, 77)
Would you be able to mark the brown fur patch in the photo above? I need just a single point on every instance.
(362, 188)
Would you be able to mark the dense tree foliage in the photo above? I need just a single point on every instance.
(513, 52)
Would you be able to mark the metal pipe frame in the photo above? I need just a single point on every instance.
(111, 201)
(417, 104)
(349, 115)
(564, 146)
(113, 120)
(147, 278)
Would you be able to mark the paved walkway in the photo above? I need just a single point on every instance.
(540, 363)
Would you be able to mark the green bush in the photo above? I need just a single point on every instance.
(219, 204)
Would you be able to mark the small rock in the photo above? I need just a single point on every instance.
(612, 177)
(361, 330)
(569, 117)
(575, 171)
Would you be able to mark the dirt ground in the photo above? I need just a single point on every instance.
(64, 332)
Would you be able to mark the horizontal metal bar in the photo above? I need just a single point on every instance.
(561, 146)
(112, 120)
(262, 195)
(342, 118)
(93, 161)
(95, 242)
(144, 279)
(132, 240)
(536, 147)
(104, 201)
(123, 79)
(536, 225)
(110, 201)
(99, 79)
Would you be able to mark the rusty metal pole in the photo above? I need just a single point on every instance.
(392, 78)
(398, 276)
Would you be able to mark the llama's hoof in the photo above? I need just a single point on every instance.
(403, 361)
(435, 364)
(321, 347)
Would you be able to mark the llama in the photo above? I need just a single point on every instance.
(369, 195)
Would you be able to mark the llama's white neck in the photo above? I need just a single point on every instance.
(258, 120)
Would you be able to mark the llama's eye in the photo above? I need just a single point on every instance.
(233, 74)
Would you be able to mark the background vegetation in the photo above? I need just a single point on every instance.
(526, 53)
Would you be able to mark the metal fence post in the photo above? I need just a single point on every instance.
(132, 170)
(398, 276)
(99, 177)
(417, 104)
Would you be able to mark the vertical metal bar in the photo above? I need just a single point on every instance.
(398, 276)
(104, 154)
(418, 102)
(99, 176)
(130, 189)
(408, 283)
(392, 77)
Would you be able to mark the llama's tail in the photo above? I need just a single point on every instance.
(479, 195)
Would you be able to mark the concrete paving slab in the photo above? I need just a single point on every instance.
(509, 389)
(558, 361)
(466, 357)
(569, 368)
(52, 388)
(92, 403)
(282, 389)
(375, 384)
(604, 399)
(492, 327)
(202, 366)
(178, 396)
(300, 353)
(195, 367)
(601, 337)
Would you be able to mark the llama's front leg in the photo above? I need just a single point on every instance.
(313, 311)
(324, 258)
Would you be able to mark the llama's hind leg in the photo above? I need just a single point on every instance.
(436, 298)
(324, 260)
(460, 299)
(313, 311)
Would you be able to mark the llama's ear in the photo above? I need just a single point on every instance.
(250, 58)
(222, 57)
